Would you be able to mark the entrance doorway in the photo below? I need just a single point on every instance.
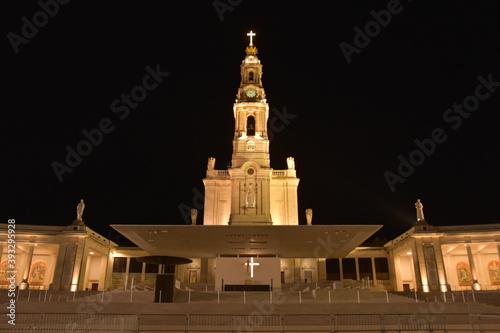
(308, 276)
(193, 277)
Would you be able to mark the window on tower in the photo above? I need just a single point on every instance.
(250, 76)
(250, 125)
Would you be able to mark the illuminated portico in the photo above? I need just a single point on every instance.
(445, 258)
(70, 257)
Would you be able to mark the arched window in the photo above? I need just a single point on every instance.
(250, 125)
(250, 76)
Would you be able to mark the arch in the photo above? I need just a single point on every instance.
(250, 125)
(251, 76)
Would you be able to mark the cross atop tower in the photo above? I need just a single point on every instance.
(251, 34)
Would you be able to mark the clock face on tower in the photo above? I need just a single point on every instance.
(251, 93)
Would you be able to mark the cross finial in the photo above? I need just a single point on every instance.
(251, 34)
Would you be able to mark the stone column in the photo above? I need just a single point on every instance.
(374, 271)
(66, 260)
(127, 267)
(296, 272)
(416, 267)
(341, 270)
(80, 269)
(58, 272)
(393, 273)
(27, 266)
(143, 272)
(421, 265)
(321, 263)
(475, 283)
(109, 271)
(443, 283)
(357, 269)
(203, 270)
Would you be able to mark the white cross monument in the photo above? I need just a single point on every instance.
(249, 263)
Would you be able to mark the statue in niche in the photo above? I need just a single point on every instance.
(194, 215)
(250, 197)
(211, 163)
(79, 210)
(290, 161)
(309, 216)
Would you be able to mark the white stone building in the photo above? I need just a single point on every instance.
(250, 238)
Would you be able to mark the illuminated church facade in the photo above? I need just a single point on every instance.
(251, 234)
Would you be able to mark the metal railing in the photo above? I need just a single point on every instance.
(444, 322)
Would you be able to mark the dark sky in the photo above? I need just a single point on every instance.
(347, 122)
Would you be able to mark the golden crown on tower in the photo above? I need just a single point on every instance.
(251, 49)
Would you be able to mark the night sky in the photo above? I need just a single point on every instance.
(349, 106)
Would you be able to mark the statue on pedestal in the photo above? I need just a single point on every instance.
(211, 163)
(79, 210)
(309, 216)
(420, 210)
(290, 161)
(194, 215)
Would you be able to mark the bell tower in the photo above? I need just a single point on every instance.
(251, 112)
(250, 192)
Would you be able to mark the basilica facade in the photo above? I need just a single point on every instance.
(251, 238)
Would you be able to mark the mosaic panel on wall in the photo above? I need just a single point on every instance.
(494, 270)
(37, 273)
(464, 273)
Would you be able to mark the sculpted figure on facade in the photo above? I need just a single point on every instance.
(420, 210)
(211, 163)
(309, 216)
(250, 197)
(290, 161)
(194, 215)
(79, 210)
